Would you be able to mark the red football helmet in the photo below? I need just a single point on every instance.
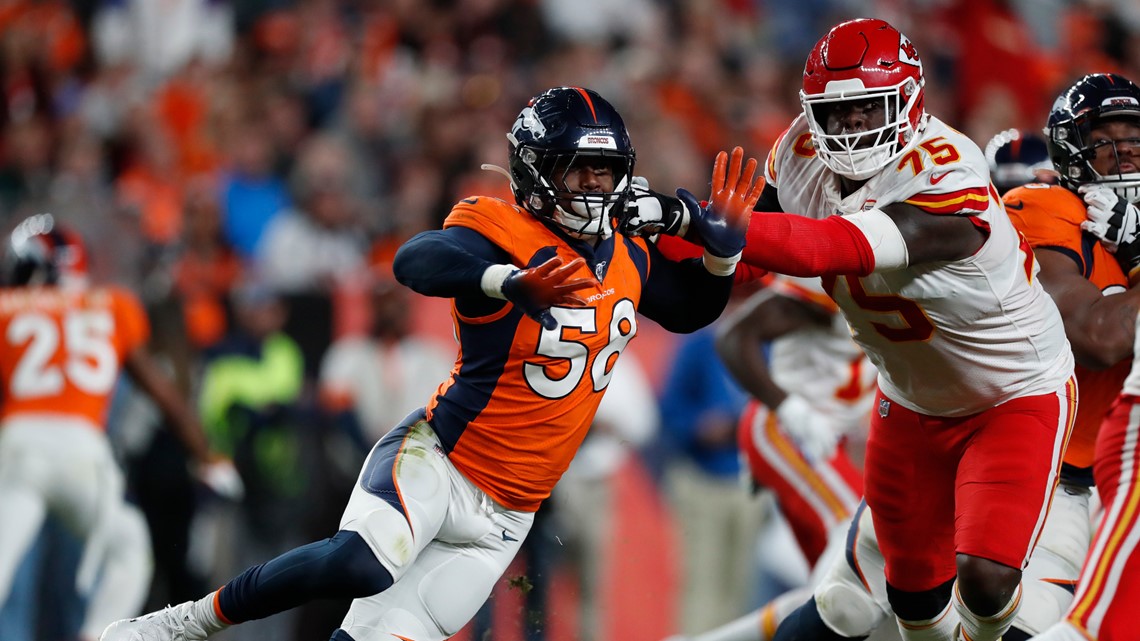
(42, 252)
(864, 60)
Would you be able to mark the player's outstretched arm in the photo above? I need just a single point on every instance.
(461, 263)
(215, 471)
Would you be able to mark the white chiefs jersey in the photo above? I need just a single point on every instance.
(822, 364)
(949, 338)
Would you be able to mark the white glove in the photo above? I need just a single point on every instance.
(812, 431)
(650, 213)
(1114, 221)
(222, 478)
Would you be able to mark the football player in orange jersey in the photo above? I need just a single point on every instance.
(62, 345)
(545, 298)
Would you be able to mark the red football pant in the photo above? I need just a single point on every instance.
(1109, 587)
(978, 485)
(813, 498)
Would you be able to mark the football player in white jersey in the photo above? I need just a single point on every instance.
(817, 389)
(894, 209)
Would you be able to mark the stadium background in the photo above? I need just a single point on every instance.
(171, 133)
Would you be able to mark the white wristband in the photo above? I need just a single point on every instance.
(492, 280)
(718, 266)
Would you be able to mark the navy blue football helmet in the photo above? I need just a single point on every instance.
(556, 129)
(1091, 100)
(40, 251)
(1017, 157)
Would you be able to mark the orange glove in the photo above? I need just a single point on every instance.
(537, 289)
(735, 195)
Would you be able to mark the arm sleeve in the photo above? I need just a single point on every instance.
(447, 263)
(800, 246)
(675, 248)
(682, 296)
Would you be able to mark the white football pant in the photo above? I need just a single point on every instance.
(445, 555)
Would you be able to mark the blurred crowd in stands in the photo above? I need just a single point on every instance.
(249, 167)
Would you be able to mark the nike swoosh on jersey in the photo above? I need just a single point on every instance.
(508, 537)
(1018, 205)
(937, 178)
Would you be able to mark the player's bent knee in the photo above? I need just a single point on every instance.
(848, 610)
(920, 606)
(986, 586)
(387, 533)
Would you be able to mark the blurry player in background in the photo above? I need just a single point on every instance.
(1017, 157)
(976, 395)
(545, 298)
(818, 388)
(62, 345)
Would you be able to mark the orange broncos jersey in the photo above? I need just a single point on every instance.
(1050, 216)
(62, 349)
(521, 398)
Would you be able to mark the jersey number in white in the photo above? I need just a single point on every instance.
(89, 359)
(623, 327)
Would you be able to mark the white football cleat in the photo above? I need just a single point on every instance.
(171, 623)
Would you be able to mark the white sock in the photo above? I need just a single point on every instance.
(204, 616)
(979, 628)
(943, 627)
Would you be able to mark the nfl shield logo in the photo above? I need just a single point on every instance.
(884, 407)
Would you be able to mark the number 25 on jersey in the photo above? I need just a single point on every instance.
(76, 349)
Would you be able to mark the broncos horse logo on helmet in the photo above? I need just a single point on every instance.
(1090, 101)
(40, 251)
(556, 130)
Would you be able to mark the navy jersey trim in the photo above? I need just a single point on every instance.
(1084, 266)
(639, 257)
(486, 350)
(377, 478)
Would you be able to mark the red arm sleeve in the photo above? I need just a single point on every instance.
(800, 246)
(675, 248)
